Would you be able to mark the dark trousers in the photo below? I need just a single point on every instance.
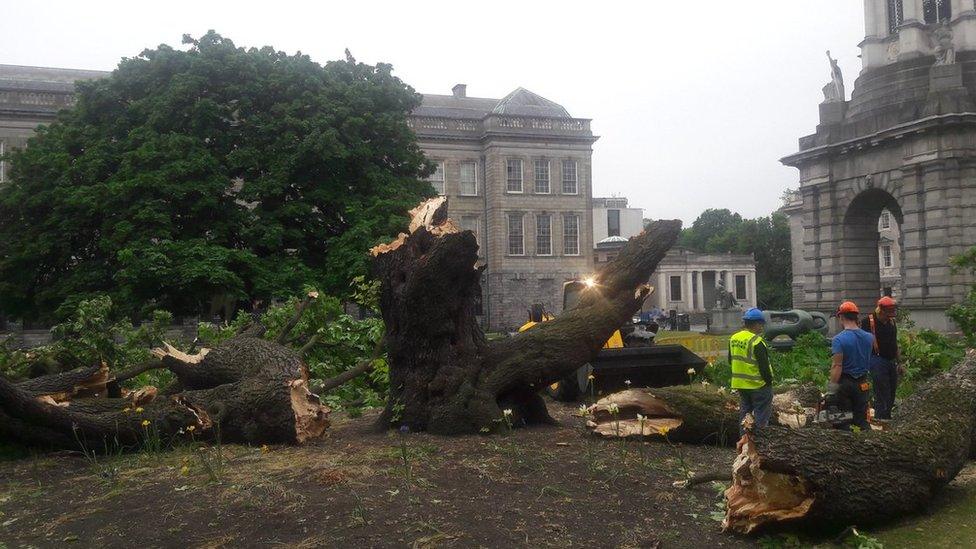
(853, 396)
(884, 379)
(759, 403)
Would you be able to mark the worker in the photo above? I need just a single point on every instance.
(848, 386)
(752, 375)
(885, 355)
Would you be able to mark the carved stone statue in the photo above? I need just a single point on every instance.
(945, 51)
(724, 297)
(834, 91)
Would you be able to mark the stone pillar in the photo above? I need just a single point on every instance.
(912, 37)
(874, 48)
(662, 291)
(752, 288)
(700, 302)
(690, 295)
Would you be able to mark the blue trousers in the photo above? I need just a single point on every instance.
(884, 379)
(758, 402)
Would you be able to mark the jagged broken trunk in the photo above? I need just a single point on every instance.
(246, 390)
(822, 477)
(445, 377)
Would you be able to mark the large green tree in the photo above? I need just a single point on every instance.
(214, 171)
(767, 238)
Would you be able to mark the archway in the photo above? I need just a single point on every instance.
(862, 260)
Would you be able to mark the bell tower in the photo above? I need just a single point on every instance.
(896, 30)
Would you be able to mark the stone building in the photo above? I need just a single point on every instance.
(30, 96)
(612, 217)
(517, 172)
(904, 142)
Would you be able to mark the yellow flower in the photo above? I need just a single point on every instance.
(591, 377)
(191, 428)
(126, 410)
(139, 410)
(185, 470)
(265, 449)
(663, 429)
(146, 422)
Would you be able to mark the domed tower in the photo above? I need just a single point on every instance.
(904, 143)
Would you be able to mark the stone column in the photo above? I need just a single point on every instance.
(690, 295)
(752, 288)
(662, 291)
(912, 39)
(874, 48)
(701, 291)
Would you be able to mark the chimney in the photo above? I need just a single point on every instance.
(460, 90)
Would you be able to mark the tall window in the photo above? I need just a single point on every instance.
(472, 223)
(437, 178)
(570, 179)
(936, 11)
(3, 164)
(740, 287)
(895, 16)
(543, 234)
(542, 177)
(513, 174)
(613, 222)
(886, 255)
(571, 232)
(885, 220)
(469, 179)
(516, 234)
(675, 287)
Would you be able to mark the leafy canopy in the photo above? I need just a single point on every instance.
(215, 172)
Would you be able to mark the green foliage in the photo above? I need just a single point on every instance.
(925, 353)
(215, 173)
(808, 361)
(964, 313)
(767, 238)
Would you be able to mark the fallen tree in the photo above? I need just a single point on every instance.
(445, 377)
(837, 478)
(246, 389)
(696, 414)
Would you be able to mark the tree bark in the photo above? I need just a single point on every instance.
(829, 477)
(444, 375)
(245, 390)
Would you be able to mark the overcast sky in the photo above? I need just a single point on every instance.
(695, 101)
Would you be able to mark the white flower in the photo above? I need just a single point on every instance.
(691, 371)
(640, 418)
(627, 382)
(507, 412)
(584, 410)
(613, 408)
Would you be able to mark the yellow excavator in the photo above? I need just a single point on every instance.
(618, 366)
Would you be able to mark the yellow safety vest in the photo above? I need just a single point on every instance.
(742, 358)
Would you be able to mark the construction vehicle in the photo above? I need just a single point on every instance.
(629, 359)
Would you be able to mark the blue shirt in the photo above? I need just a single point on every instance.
(856, 345)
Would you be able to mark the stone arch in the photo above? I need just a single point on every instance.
(859, 266)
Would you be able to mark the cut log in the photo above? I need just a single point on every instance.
(245, 390)
(444, 375)
(829, 477)
(696, 414)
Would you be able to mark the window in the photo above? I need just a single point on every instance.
(885, 220)
(675, 283)
(469, 179)
(886, 255)
(613, 222)
(740, 287)
(437, 178)
(542, 177)
(895, 16)
(543, 234)
(516, 234)
(472, 223)
(936, 11)
(570, 179)
(571, 232)
(513, 173)
(3, 164)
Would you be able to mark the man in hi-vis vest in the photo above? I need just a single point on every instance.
(751, 374)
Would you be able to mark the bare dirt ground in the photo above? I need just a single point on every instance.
(541, 487)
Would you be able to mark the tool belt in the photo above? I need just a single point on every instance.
(861, 381)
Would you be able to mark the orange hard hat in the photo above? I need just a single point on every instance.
(887, 301)
(848, 307)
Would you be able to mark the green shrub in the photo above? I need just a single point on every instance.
(807, 361)
(925, 353)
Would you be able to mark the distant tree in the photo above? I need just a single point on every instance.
(767, 238)
(964, 313)
(212, 172)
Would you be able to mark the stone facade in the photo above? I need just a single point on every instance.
(532, 175)
(30, 96)
(905, 142)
